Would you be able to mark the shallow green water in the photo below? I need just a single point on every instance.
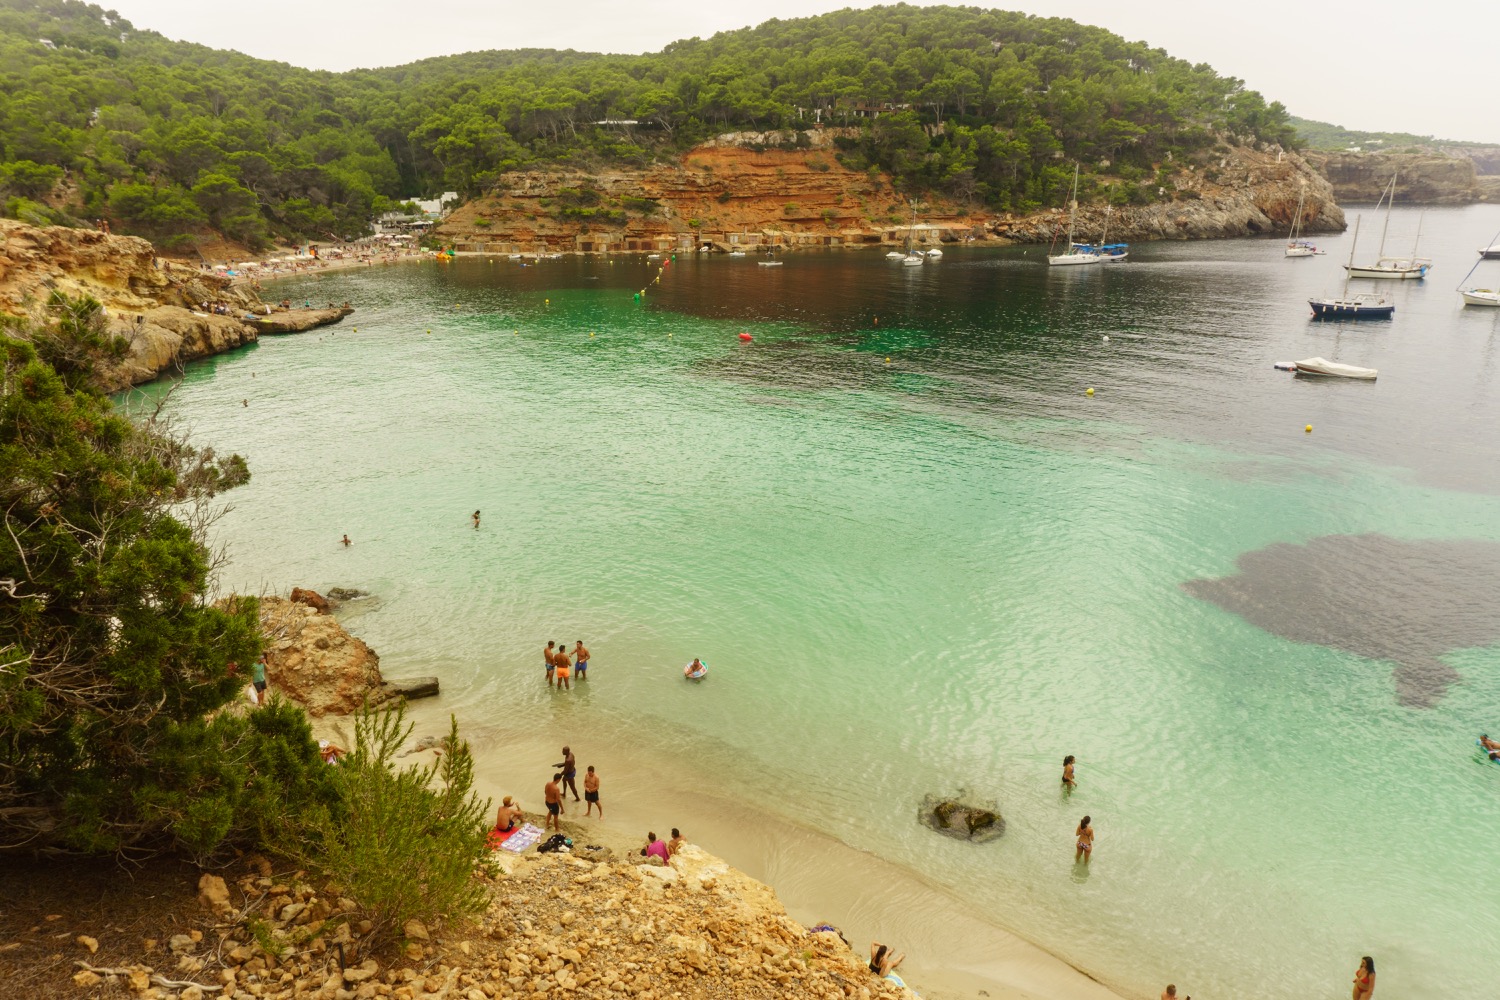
(949, 569)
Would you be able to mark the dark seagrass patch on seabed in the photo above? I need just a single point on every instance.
(1378, 597)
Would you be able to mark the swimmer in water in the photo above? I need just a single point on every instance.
(1487, 743)
(476, 519)
(1067, 780)
(346, 541)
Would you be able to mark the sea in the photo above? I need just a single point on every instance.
(921, 558)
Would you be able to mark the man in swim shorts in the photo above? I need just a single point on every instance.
(591, 792)
(553, 794)
(563, 667)
(547, 655)
(581, 660)
(569, 767)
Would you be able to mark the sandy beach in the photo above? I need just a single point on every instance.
(952, 952)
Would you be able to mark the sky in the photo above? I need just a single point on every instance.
(1379, 65)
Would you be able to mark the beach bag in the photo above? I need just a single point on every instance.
(556, 843)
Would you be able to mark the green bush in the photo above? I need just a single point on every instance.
(403, 842)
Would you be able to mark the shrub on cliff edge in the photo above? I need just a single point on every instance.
(404, 841)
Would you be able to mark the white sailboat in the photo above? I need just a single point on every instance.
(912, 258)
(1474, 296)
(1412, 267)
(1294, 246)
(1076, 253)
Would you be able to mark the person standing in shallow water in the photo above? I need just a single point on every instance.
(1068, 782)
(1364, 979)
(1085, 837)
(580, 660)
(591, 793)
(476, 519)
(550, 657)
(560, 658)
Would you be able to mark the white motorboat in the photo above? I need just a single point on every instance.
(1077, 253)
(1332, 369)
(736, 253)
(1491, 252)
(1400, 268)
(934, 252)
(895, 255)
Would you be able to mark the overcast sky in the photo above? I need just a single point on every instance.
(1424, 67)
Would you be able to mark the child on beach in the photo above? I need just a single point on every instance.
(591, 792)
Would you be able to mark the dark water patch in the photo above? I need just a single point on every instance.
(1378, 597)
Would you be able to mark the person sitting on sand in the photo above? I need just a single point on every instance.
(675, 844)
(508, 816)
(656, 849)
(883, 962)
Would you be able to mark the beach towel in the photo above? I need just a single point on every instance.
(521, 839)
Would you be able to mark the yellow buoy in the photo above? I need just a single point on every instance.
(1089, 391)
(356, 329)
(887, 360)
(591, 335)
(1308, 429)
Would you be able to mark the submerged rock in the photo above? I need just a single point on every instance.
(962, 817)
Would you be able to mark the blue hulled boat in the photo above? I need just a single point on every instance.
(1358, 307)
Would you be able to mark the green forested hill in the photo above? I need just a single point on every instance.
(1322, 135)
(168, 138)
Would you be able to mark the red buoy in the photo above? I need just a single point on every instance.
(746, 337)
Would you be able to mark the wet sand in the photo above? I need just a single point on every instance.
(951, 951)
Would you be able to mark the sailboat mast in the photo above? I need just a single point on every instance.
(1390, 200)
(1349, 271)
(1418, 241)
(1072, 208)
(1297, 220)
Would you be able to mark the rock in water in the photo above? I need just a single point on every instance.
(1382, 598)
(341, 594)
(962, 817)
(312, 599)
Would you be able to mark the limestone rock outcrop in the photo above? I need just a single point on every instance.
(1423, 177)
(791, 189)
(311, 659)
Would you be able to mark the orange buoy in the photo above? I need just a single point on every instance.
(746, 337)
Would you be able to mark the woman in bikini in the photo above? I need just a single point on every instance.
(1068, 782)
(1364, 979)
(883, 962)
(1085, 837)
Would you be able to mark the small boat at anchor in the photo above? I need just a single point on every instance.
(1297, 247)
(1333, 369)
(1410, 267)
(1473, 296)
(1365, 305)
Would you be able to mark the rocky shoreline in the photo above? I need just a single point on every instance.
(157, 306)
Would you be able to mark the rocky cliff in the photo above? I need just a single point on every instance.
(1422, 177)
(311, 659)
(790, 189)
(155, 304)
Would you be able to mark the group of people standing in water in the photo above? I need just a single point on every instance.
(560, 667)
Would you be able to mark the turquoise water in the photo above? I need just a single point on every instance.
(946, 569)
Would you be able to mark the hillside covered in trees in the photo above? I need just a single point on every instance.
(169, 139)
